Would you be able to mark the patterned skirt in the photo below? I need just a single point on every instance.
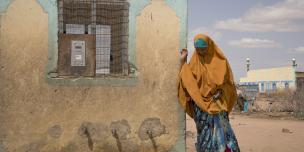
(214, 132)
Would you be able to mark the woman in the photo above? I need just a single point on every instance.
(207, 91)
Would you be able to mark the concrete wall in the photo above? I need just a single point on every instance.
(38, 116)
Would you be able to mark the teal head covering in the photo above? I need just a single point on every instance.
(200, 43)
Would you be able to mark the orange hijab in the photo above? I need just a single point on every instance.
(199, 81)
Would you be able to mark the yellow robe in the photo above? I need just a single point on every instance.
(199, 81)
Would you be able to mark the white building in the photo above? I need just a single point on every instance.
(274, 79)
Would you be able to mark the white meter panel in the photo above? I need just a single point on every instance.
(78, 53)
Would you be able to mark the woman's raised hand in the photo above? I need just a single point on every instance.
(184, 54)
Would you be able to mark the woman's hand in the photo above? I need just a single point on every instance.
(184, 54)
(217, 94)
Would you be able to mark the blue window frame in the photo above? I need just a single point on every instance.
(262, 87)
(267, 86)
(274, 86)
(286, 85)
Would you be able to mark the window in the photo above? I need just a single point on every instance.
(274, 86)
(286, 85)
(93, 38)
(262, 87)
(267, 86)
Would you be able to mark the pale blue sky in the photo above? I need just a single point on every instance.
(269, 32)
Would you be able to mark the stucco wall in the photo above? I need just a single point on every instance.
(38, 116)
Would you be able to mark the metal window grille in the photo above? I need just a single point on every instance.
(108, 21)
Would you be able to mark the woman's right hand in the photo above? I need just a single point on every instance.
(218, 94)
(184, 54)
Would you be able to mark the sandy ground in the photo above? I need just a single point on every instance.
(260, 134)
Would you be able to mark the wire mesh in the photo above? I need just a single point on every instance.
(108, 21)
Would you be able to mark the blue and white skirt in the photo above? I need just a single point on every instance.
(214, 132)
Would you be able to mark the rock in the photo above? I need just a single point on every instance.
(284, 130)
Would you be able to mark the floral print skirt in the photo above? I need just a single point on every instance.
(214, 132)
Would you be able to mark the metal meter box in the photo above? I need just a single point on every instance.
(78, 53)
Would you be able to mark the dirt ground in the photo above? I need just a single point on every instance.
(260, 133)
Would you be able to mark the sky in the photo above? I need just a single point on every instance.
(269, 32)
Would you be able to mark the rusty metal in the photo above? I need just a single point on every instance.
(108, 22)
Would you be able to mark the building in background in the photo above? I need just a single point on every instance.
(300, 80)
(273, 79)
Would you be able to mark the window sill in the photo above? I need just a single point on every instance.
(53, 79)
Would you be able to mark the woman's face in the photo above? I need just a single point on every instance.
(202, 51)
